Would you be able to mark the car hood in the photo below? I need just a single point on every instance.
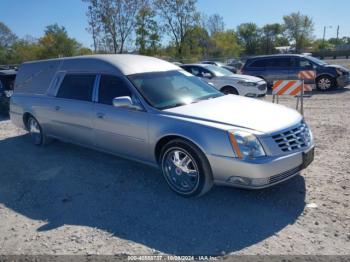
(338, 66)
(242, 112)
(237, 77)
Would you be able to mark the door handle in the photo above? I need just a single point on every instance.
(57, 108)
(100, 115)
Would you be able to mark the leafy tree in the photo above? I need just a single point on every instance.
(269, 36)
(57, 43)
(178, 16)
(197, 44)
(299, 29)
(147, 36)
(226, 44)
(249, 37)
(24, 50)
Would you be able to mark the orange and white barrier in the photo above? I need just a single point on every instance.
(287, 87)
(307, 75)
(309, 87)
(305, 83)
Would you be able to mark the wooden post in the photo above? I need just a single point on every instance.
(302, 99)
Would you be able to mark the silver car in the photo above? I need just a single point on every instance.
(154, 112)
(227, 82)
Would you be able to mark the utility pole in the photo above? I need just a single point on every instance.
(338, 35)
(324, 35)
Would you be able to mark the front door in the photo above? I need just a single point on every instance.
(119, 130)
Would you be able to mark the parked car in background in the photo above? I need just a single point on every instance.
(152, 111)
(7, 79)
(228, 67)
(284, 67)
(227, 82)
(235, 63)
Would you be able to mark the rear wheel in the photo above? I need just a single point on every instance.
(325, 83)
(35, 131)
(229, 90)
(185, 168)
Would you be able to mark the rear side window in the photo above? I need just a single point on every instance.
(280, 62)
(77, 87)
(110, 88)
(259, 63)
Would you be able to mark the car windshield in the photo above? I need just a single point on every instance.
(317, 61)
(218, 71)
(169, 89)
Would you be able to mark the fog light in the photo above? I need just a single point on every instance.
(260, 181)
(237, 180)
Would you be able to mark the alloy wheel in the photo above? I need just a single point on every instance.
(181, 171)
(35, 131)
(324, 83)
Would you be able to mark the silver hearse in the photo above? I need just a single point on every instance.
(152, 111)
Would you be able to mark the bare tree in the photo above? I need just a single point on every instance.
(125, 19)
(93, 21)
(115, 19)
(215, 24)
(179, 16)
(7, 37)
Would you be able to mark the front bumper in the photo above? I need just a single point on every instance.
(343, 80)
(256, 91)
(256, 174)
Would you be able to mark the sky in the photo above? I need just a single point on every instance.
(30, 17)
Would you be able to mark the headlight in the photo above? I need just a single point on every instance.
(247, 83)
(246, 145)
(339, 72)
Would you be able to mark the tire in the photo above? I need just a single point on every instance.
(36, 132)
(325, 83)
(229, 90)
(190, 178)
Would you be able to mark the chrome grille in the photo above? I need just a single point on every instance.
(294, 138)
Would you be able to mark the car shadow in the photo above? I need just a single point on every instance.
(65, 184)
(4, 117)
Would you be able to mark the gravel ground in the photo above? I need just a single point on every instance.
(64, 199)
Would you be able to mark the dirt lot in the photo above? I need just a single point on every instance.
(63, 199)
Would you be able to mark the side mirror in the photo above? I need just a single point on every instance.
(125, 102)
(207, 75)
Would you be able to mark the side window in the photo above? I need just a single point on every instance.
(259, 63)
(303, 63)
(77, 87)
(195, 71)
(280, 62)
(111, 87)
(203, 72)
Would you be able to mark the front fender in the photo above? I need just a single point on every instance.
(211, 140)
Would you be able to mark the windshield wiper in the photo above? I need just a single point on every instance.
(206, 98)
(172, 106)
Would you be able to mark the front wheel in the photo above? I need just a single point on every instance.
(325, 83)
(186, 169)
(228, 90)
